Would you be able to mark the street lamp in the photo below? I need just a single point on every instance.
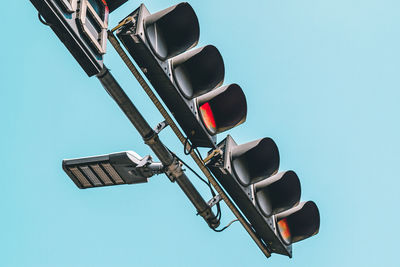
(113, 169)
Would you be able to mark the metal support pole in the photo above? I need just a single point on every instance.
(171, 164)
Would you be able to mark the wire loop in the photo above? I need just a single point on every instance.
(41, 19)
(187, 152)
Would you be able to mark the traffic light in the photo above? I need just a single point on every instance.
(188, 79)
(112, 169)
(81, 26)
(269, 200)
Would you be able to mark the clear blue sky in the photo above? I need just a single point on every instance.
(321, 78)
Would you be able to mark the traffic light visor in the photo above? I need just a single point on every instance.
(172, 31)
(254, 161)
(278, 193)
(302, 221)
(198, 71)
(228, 107)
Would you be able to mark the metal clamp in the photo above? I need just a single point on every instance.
(161, 126)
(214, 201)
(174, 170)
(144, 162)
(216, 152)
(122, 23)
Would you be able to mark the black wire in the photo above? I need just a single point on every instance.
(202, 179)
(41, 19)
(187, 152)
(219, 213)
(207, 182)
(229, 224)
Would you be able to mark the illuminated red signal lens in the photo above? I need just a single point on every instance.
(284, 231)
(208, 117)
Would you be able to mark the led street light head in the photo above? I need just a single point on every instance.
(112, 169)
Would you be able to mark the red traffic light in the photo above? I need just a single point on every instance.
(269, 200)
(208, 117)
(223, 108)
(188, 81)
(299, 222)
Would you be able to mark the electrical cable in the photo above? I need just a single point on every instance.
(229, 224)
(219, 213)
(187, 152)
(41, 19)
(202, 179)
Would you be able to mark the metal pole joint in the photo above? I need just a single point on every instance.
(174, 171)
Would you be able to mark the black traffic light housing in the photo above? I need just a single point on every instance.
(268, 199)
(188, 81)
(114, 4)
(81, 26)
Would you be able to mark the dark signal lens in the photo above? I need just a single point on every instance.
(208, 117)
(284, 231)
